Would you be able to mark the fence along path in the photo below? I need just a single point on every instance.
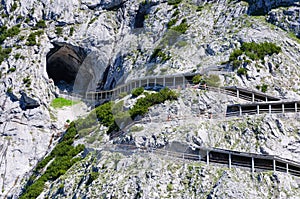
(252, 161)
(178, 81)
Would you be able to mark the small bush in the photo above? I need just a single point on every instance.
(212, 80)
(174, 2)
(235, 54)
(182, 28)
(264, 88)
(58, 31)
(158, 53)
(242, 71)
(41, 24)
(137, 91)
(71, 31)
(172, 22)
(12, 69)
(14, 7)
(197, 79)
(31, 40)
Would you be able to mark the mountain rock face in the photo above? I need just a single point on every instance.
(53, 47)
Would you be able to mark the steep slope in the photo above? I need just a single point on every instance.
(105, 43)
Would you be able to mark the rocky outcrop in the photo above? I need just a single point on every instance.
(262, 7)
(118, 38)
(27, 102)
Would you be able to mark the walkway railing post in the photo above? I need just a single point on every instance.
(282, 108)
(164, 81)
(140, 83)
(287, 168)
(240, 111)
(183, 82)
(257, 107)
(253, 98)
(266, 98)
(296, 107)
(238, 93)
(174, 81)
(274, 165)
(147, 81)
(270, 109)
(207, 157)
(252, 164)
(229, 160)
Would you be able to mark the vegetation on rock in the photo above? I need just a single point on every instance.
(61, 102)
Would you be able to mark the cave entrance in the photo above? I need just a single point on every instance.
(63, 64)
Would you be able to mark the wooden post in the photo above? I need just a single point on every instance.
(252, 164)
(154, 81)
(164, 81)
(296, 107)
(229, 160)
(183, 82)
(174, 81)
(147, 81)
(253, 97)
(207, 157)
(140, 83)
(270, 109)
(266, 98)
(257, 108)
(237, 93)
(287, 168)
(274, 165)
(282, 108)
(240, 110)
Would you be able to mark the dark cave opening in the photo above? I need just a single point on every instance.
(63, 63)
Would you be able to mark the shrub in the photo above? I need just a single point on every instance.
(137, 91)
(12, 69)
(31, 40)
(71, 31)
(172, 22)
(4, 53)
(182, 28)
(236, 64)
(235, 54)
(14, 7)
(158, 53)
(11, 32)
(142, 104)
(58, 30)
(41, 24)
(264, 88)
(63, 156)
(174, 2)
(212, 80)
(197, 79)
(27, 81)
(242, 71)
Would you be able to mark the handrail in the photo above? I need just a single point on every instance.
(198, 157)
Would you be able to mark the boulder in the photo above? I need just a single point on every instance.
(27, 102)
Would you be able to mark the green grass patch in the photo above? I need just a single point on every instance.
(61, 102)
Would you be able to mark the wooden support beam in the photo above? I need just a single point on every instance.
(252, 164)
(229, 160)
(207, 157)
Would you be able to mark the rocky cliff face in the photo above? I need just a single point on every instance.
(92, 45)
